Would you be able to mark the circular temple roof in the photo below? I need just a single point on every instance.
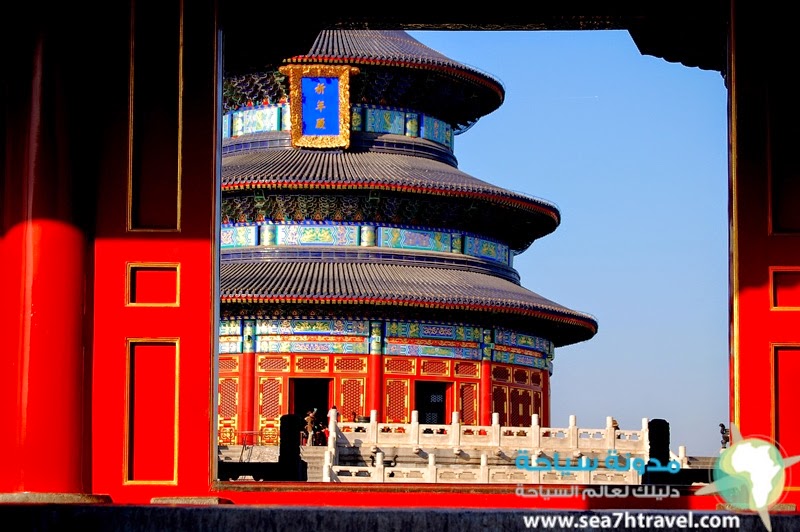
(326, 281)
(383, 176)
(470, 92)
(382, 169)
(395, 70)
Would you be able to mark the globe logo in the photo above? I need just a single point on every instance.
(750, 475)
(754, 469)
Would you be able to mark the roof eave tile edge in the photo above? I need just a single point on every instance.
(475, 77)
(583, 321)
(550, 211)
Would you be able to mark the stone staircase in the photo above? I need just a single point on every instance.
(314, 459)
(248, 453)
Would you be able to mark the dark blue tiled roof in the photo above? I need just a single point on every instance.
(331, 282)
(292, 168)
(395, 48)
(385, 46)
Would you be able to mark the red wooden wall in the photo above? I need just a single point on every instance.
(765, 235)
(263, 396)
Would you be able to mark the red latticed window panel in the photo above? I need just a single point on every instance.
(271, 363)
(468, 398)
(466, 369)
(305, 364)
(397, 401)
(350, 364)
(270, 396)
(499, 403)
(228, 364)
(520, 410)
(536, 407)
(352, 398)
(501, 373)
(228, 397)
(536, 377)
(227, 409)
(435, 367)
(404, 366)
(520, 376)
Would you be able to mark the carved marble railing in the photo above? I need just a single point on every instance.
(510, 445)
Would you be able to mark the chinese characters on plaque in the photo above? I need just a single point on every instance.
(320, 105)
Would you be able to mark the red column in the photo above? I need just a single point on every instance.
(375, 371)
(247, 383)
(485, 393)
(42, 303)
(485, 388)
(545, 417)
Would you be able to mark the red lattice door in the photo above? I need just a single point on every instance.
(468, 403)
(500, 403)
(270, 403)
(228, 407)
(351, 397)
(520, 407)
(397, 401)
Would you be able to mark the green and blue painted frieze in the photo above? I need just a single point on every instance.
(317, 235)
(525, 341)
(366, 118)
(407, 329)
(395, 237)
(309, 326)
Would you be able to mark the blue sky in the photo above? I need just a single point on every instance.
(633, 151)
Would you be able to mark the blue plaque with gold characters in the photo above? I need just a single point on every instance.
(320, 105)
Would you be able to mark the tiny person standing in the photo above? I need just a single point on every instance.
(309, 419)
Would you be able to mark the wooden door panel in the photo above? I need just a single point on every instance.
(155, 304)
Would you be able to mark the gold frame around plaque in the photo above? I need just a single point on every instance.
(296, 73)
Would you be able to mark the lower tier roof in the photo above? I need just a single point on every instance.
(326, 282)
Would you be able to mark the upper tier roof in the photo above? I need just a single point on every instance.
(460, 94)
(395, 70)
(389, 48)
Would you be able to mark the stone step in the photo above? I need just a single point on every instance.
(314, 457)
(248, 453)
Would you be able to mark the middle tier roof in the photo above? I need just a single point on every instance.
(392, 163)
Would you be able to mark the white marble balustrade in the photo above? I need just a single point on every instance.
(571, 443)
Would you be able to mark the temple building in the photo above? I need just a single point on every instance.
(360, 267)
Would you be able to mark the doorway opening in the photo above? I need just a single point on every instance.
(310, 393)
(431, 402)
(300, 391)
